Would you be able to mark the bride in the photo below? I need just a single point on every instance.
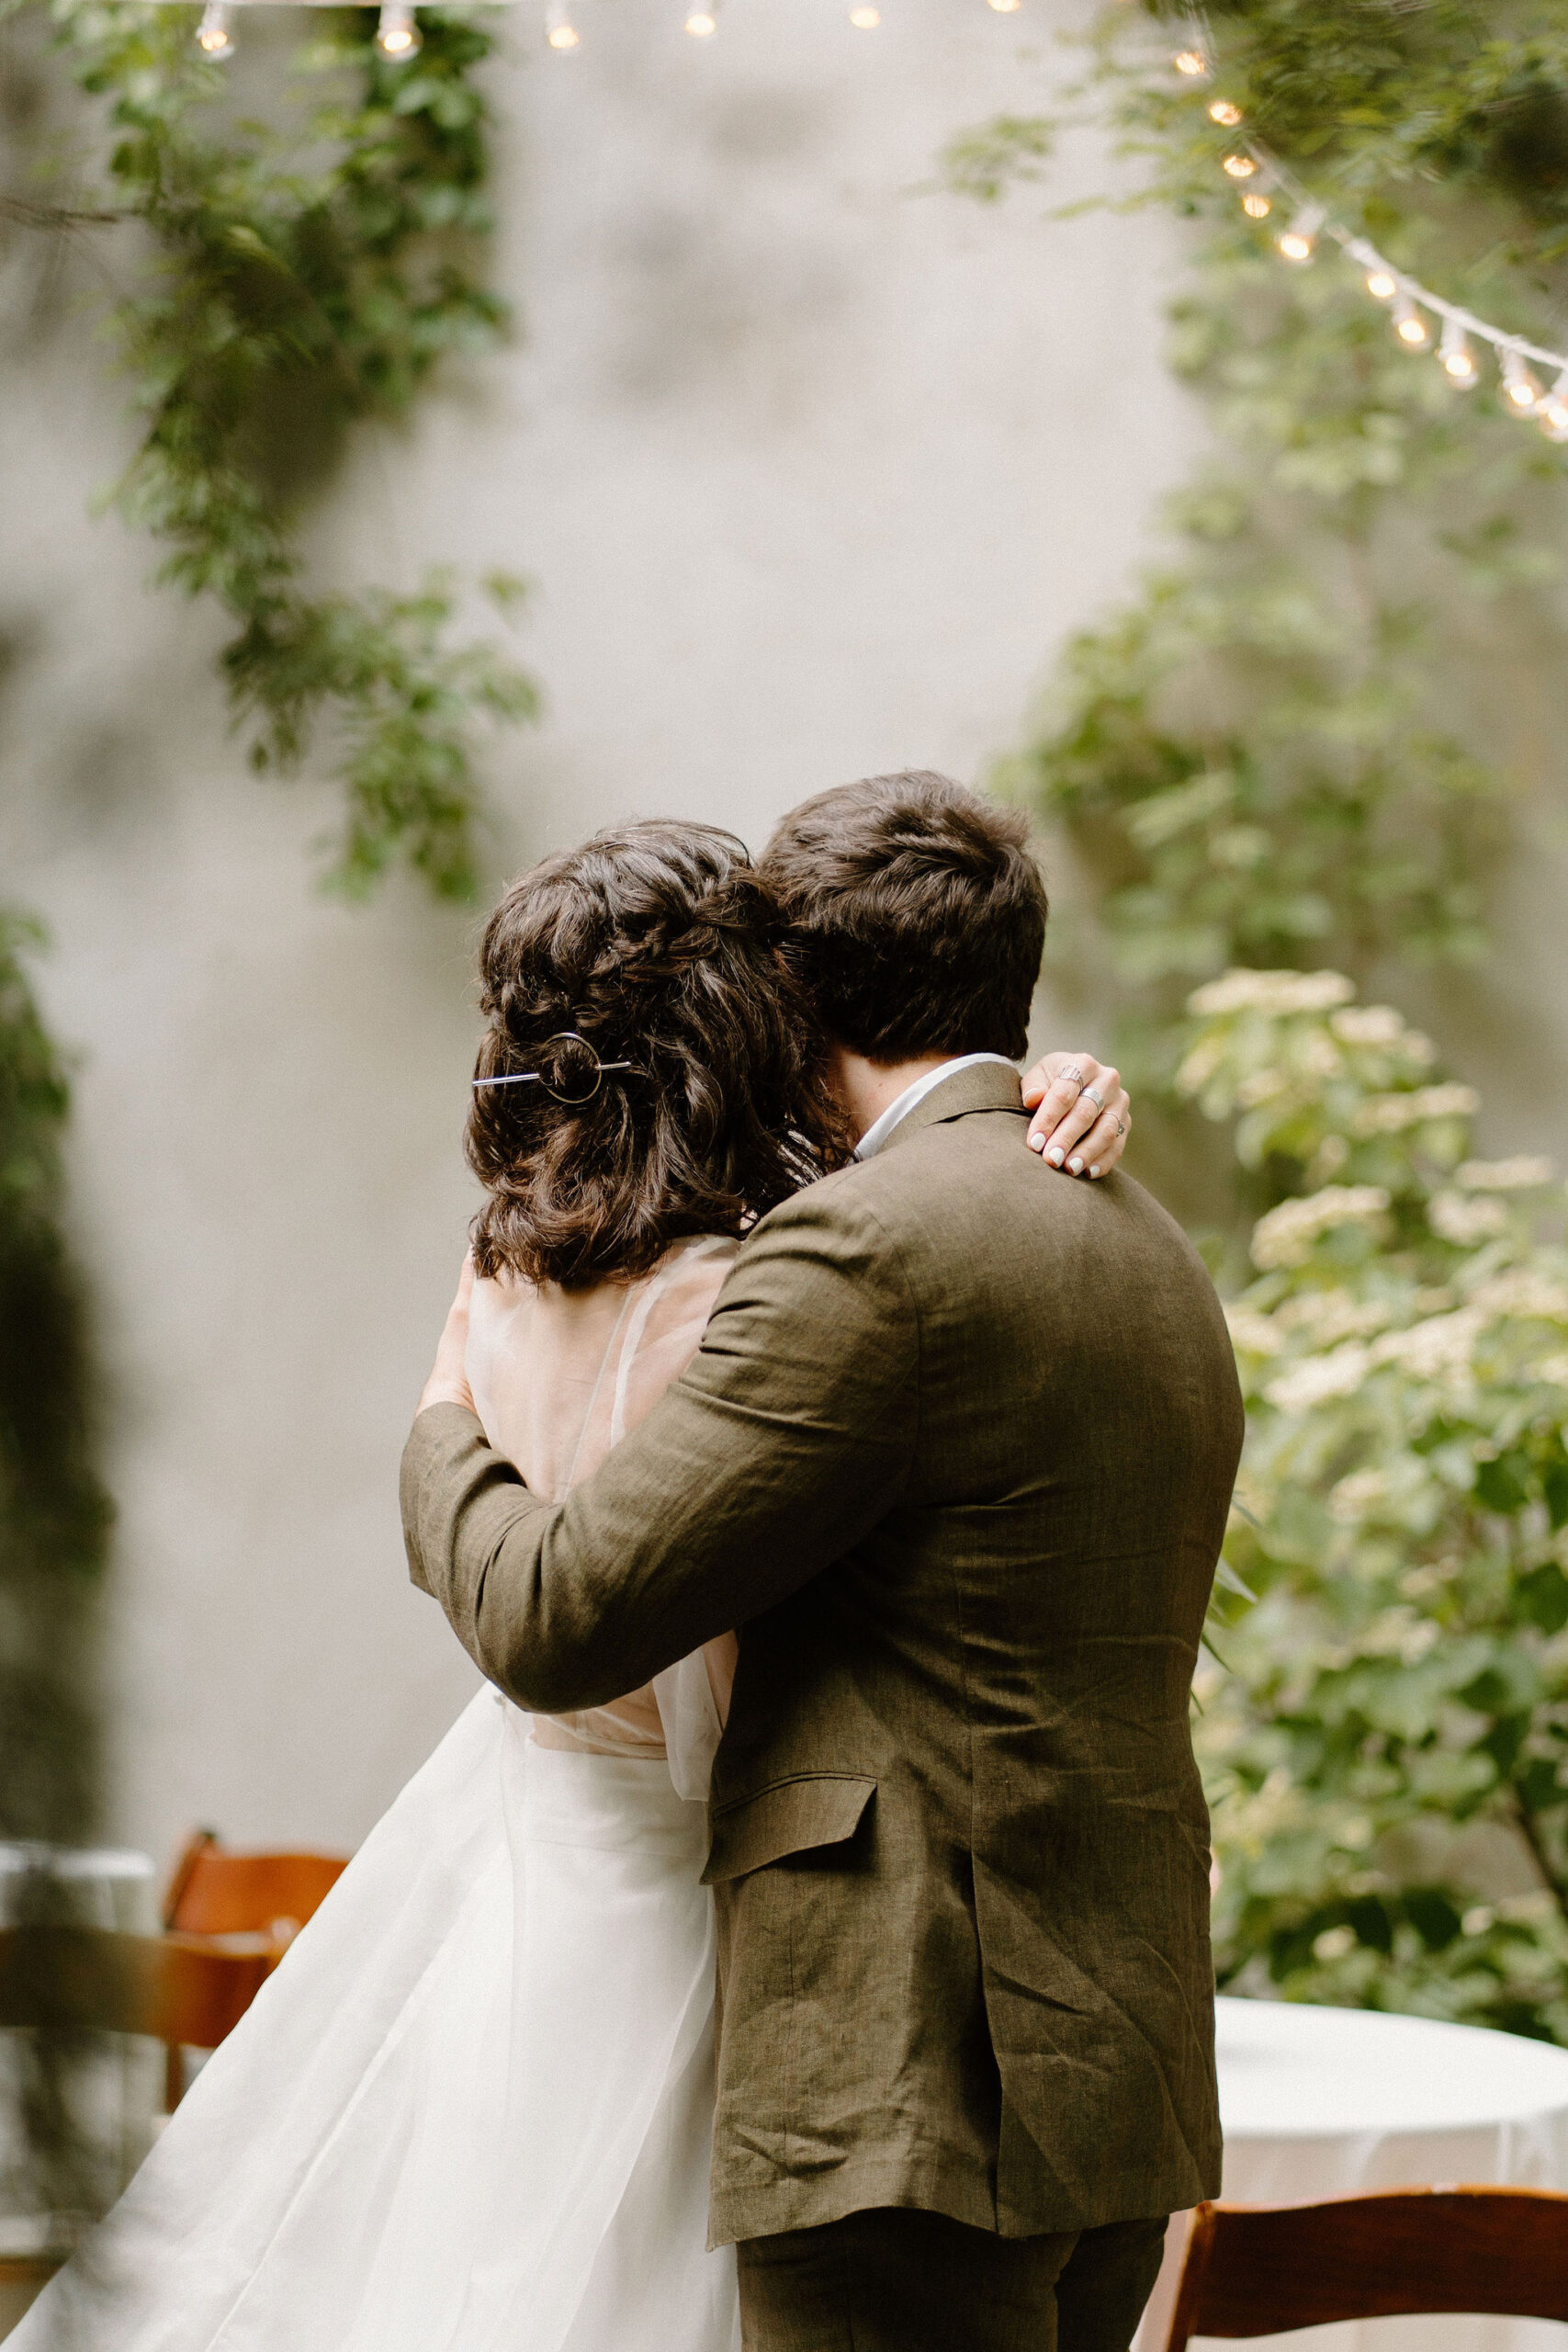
(471, 2110)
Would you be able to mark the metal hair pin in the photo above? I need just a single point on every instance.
(564, 1082)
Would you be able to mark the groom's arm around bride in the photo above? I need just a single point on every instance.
(955, 1454)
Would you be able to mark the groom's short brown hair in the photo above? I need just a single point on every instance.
(916, 915)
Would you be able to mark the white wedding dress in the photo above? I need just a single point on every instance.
(471, 2110)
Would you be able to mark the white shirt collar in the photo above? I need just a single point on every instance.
(877, 1135)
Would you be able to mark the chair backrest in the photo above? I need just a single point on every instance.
(1265, 2269)
(213, 1892)
(94, 1980)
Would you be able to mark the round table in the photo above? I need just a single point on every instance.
(1319, 2102)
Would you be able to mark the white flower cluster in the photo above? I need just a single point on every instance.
(1455, 1217)
(1524, 1290)
(1503, 1175)
(1271, 992)
(1317, 1379)
(1391, 1115)
(1285, 1236)
(1379, 1024)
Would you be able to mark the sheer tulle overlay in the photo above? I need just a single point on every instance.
(471, 2110)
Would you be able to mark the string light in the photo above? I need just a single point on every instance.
(865, 20)
(1457, 358)
(397, 34)
(560, 30)
(1006, 7)
(1553, 409)
(1409, 326)
(701, 23)
(1410, 300)
(1224, 110)
(1520, 386)
(1296, 243)
(215, 33)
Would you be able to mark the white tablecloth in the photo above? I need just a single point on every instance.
(1333, 2102)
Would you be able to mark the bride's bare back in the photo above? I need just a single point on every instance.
(558, 1377)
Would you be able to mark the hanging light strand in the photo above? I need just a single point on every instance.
(1248, 165)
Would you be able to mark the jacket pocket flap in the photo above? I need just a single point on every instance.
(814, 1809)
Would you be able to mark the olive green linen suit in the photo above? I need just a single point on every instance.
(955, 1454)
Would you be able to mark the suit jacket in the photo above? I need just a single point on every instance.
(955, 1453)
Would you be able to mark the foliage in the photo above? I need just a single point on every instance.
(292, 285)
(1387, 1738)
(54, 1516)
(1271, 757)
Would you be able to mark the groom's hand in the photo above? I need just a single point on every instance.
(1081, 1114)
(448, 1381)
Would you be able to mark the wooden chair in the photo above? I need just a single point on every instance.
(1265, 2269)
(255, 1903)
(175, 1989)
(212, 1892)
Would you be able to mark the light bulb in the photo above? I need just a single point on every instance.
(1191, 61)
(398, 35)
(701, 23)
(1410, 326)
(1553, 409)
(1381, 286)
(1222, 110)
(1458, 360)
(560, 30)
(1240, 167)
(1296, 242)
(1519, 384)
(865, 20)
(214, 33)
(1006, 7)
(1256, 205)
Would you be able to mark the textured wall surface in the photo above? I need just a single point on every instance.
(813, 469)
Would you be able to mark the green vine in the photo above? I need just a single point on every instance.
(1272, 757)
(54, 1515)
(293, 284)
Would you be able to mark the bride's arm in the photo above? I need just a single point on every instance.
(788, 1439)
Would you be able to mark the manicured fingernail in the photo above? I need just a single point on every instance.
(1075, 1165)
(1036, 1143)
(1055, 1155)
(1094, 1169)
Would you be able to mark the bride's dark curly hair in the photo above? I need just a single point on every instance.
(660, 946)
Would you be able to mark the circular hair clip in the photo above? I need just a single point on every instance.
(569, 1072)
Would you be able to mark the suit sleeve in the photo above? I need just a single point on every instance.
(788, 1436)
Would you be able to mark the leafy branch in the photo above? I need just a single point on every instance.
(293, 287)
(1271, 757)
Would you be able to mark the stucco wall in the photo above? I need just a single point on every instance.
(812, 470)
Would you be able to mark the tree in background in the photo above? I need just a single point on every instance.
(1281, 751)
(1385, 1731)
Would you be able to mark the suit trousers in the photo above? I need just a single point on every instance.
(892, 2280)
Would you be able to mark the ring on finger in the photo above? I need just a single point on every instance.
(1120, 1126)
(1096, 1097)
(1073, 1075)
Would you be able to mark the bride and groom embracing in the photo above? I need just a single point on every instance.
(836, 1983)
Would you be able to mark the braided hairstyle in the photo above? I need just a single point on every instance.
(658, 943)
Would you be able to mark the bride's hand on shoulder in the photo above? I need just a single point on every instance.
(1081, 1114)
(448, 1381)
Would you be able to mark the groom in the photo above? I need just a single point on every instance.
(955, 1454)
